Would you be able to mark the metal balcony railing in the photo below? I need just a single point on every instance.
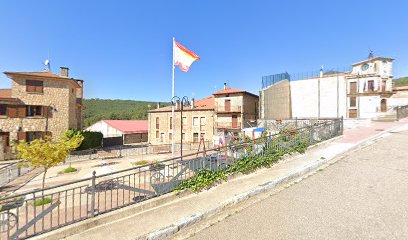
(226, 109)
(228, 125)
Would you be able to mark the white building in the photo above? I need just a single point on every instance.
(364, 92)
(132, 131)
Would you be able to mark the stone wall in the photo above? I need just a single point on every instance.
(188, 129)
(59, 94)
(275, 101)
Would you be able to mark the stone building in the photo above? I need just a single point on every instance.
(40, 104)
(365, 91)
(224, 113)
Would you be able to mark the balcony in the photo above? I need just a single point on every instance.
(228, 125)
(228, 109)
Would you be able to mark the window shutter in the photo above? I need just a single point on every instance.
(21, 111)
(22, 136)
(12, 111)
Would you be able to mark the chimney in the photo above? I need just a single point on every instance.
(178, 105)
(192, 103)
(225, 86)
(64, 71)
(158, 105)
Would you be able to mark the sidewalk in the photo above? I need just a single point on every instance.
(170, 217)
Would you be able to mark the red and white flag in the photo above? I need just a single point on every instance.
(183, 57)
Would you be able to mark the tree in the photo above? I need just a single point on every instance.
(47, 153)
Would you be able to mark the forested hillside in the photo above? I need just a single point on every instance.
(401, 82)
(98, 109)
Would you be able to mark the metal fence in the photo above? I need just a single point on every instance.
(402, 112)
(23, 215)
(275, 78)
(12, 171)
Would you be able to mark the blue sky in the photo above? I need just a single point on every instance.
(122, 49)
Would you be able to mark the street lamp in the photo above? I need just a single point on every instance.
(184, 102)
(53, 110)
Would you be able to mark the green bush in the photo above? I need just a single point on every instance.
(42, 201)
(70, 170)
(91, 139)
(141, 162)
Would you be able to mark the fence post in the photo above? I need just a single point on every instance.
(93, 194)
(398, 113)
(311, 135)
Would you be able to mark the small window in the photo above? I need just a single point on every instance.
(34, 111)
(170, 137)
(183, 136)
(34, 86)
(157, 134)
(202, 136)
(157, 123)
(162, 136)
(184, 122)
(3, 109)
(353, 101)
(370, 85)
(195, 121)
(195, 137)
(34, 135)
(171, 122)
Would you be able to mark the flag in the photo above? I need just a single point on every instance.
(183, 57)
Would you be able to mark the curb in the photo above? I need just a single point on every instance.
(190, 220)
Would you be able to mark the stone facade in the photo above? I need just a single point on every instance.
(60, 101)
(224, 113)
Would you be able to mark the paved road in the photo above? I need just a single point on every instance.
(363, 196)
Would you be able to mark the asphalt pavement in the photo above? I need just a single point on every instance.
(362, 196)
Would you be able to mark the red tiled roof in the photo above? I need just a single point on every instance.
(129, 126)
(45, 74)
(232, 91)
(202, 104)
(5, 93)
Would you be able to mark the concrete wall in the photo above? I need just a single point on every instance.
(275, 101)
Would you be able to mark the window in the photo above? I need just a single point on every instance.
(3, 109)
(171, 122)
(157, 134)
(195, 137)
(353, 87)
(353, 102)
(34, 135)
(183, 136)
(170, 137)
(202, 136)
(162, 136)
(157, 123)
(370, 85)
(34, 111)
(184, 122)
(202, 123)
(34, 86)
(195, 121)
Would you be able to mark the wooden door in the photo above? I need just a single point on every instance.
(227, 105)
(234, 121)
(352, 113)
(5, 136)
(384, 82)
(383, 105)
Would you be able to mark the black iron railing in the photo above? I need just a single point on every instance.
(24, 215)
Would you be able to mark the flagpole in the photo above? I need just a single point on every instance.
(172, 108)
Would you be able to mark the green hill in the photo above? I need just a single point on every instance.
(401, 82)
(98, 109)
